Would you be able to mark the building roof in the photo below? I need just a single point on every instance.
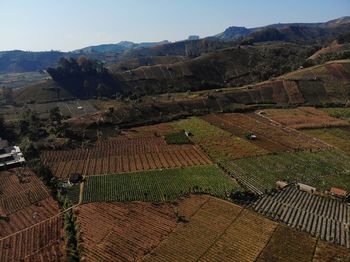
(338, 191)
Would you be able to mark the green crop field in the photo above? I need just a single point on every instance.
(339, 112)
(219, 144)
(334, 136)
(322, 169)
(158, 185)
(177, 138)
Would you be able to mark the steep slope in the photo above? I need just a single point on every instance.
(327, 84)
(222, 68)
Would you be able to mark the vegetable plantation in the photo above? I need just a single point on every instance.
(158, 185)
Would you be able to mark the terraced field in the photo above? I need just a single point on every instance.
(322, 217)
(35, 243)
(322, 169)
(337, 137)
(158, 185)
(123, 155)
(123, 232)
(217, 230)
(304, 118)
(19, 189)
(270, 136)
(218, 144)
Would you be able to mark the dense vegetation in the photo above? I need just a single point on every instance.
(177, 138)
(158, 185)
(84, 77)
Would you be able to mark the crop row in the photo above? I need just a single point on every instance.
(271, 137)
(27, 242)
(217, 143)
(158, 185)
(323, 217)
(322, 169)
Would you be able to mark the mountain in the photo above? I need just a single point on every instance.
(117, 48)
(316, 29)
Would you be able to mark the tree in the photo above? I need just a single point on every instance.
(55, 116)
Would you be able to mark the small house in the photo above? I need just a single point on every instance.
(337, 192)
(10, 155)
(306, 188)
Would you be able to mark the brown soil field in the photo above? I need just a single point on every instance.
(271, 137)
(221, 231)
(20, 188)
(43, 240)
(123, 155)
(326, 252)
(29, 216)
(288, 245)
(122, 232)
(304, 117)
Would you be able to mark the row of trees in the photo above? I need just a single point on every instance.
(84, 77)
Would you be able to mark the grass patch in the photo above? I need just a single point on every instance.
(177, 138)
(158, 185)
(322, 169)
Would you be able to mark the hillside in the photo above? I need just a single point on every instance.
(221, 68)
(327, 84)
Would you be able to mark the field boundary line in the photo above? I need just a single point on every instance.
(262, 250)
(43, 221)
(221, 235)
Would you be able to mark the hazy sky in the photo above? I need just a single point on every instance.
(72, 24)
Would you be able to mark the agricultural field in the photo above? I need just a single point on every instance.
(304, 118)
(177, 138)
(340, 112)
(158, 185)
(219, 144)
(216, 230)
(30, 227)
(122, 231)
(16, 80)
(40, 242)
(121, 155)
(337, 137)
(270, 137)
(322, 169)
(322, 217)
(20, 188)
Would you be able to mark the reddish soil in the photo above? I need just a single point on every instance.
(123, 155)
(123, 232)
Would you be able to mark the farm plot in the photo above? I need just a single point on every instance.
(158, 185)
(43, 240)
(287, 244)
(122, 232)
(322, 217)
(334, 136)
(304, 118)
(217, 143)
(123, 155)
(20, 188)
(216, 231)
(271, 137)
(28, 216)
(322, 169)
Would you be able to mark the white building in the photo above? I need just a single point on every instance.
(10, 155)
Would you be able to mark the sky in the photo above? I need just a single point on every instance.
(39, 25)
